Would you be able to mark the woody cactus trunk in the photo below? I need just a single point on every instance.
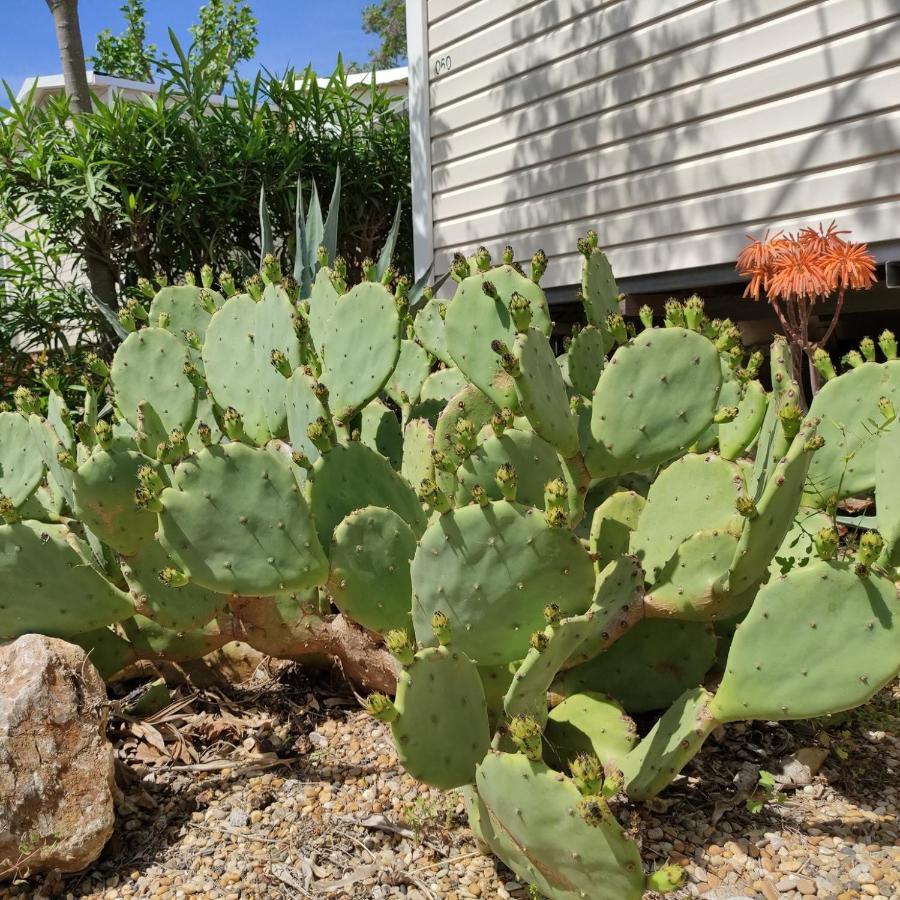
(545, 544)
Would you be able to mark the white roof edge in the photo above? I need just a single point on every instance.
(47, 83)
(398, 75)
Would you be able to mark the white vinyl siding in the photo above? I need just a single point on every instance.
(672, 126)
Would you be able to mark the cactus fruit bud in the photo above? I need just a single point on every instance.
(204, 432)
(173, 577)
(754, 364)
(389, 274)
(206, 275)
(301, 459)
(26, 402)
(291, 287)
(144, 286)
(887, 409)
(191, 373)
(725, 414)
(667, 879)
(556, 494)
(233, 424)
(103, 432)
(85, 433)
(507, 481)
(552, 614)
(189, 278)
(281, 363)
(527, 736)
(466, 434)
(824, 366)
(888, 344)
(398, 644)
(178, 442)
(746, 507)
(693, 312)
(369, 269)
(459, 267)
(161, 278)
(790, 417)
(432, 495)
(595, 812)
(593, 239)
(729, 338)
(870, 546)
(318, 433)
(556, 518)
(163, 321)
(50, 378)
(816, 442)
(539, 641)
(616, 325)
(401, 291)
(66, 460)
(440, 625)
(380, 707)
(509, 257)
(867, 348)
(150, 480)
(482, 259)
(852, 360)
(442, 310)
(226, 282)
(674, 314)
(8, 512)
(510, 364)
(587, 773)
(646, 315)
(125, 320)
(490, 289)
(144, 499)
(584, 248)
(538, 266)
(192, 339)
(271, 269)
(97, 365)
(254, 287)
(480, 495)
(498, 423)
(826, 541)
(520, 310)
(442, 461)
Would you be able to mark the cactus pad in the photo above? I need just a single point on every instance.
(737, 435)
(370, 558)
(108, 651)
(418, 442)
(429, 328)
(599, 289)
(413, 367)
(303, 408)
(442, 385)
(442, 731)
(612, 525)
(588, 723)
(656, 396)
(586, 359)
(379, 429)
(236, 522)
(492, 570)
(21, 465)
(182, 304)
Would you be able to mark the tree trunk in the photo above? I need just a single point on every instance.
(71, 52)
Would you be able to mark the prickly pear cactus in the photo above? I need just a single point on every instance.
(531, 547)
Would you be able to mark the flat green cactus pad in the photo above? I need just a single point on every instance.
(443, 385)
(777, 506)
(612, 525)
(236, 522)
(442, 731)
(586, 360)
(848, 408)
(798, 546)
(542, 393)
(656, 396)
(469, 404)
(181, 303)
(737, 435)
(362, 344)
(690, 585)
(48, 447)
(59, 419)
(237, 356)
(672, 742)
(48, 586)
(588, 723)
(322, 304)
(534, 460)
(418, 442)
(413, 367)
(379, 428)
(694, 493)
(474, 320)
(303, 408)
(842, 645)
(351, 476)
(648, 667)
(492, 570)
(151, 640)
(599, 289)
(887, 489)
(729, 395)
(180, 608)
(21, 464)
(495, 680)
(540, 833)
(430, 331)
(370, 557)
(104, 487)
(148, 368)
(108, 651)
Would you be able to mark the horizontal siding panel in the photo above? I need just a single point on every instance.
(833, 147)
(526, 38)
(469, 185)
(872, 180)
(825, 62)
(441, 9)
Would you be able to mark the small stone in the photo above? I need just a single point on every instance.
(237, 818)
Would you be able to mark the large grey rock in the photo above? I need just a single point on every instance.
(57, 769)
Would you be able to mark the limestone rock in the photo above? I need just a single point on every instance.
(57, 769)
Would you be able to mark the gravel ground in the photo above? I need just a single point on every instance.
(284, 789)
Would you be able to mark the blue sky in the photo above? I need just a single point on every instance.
(291, 32)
